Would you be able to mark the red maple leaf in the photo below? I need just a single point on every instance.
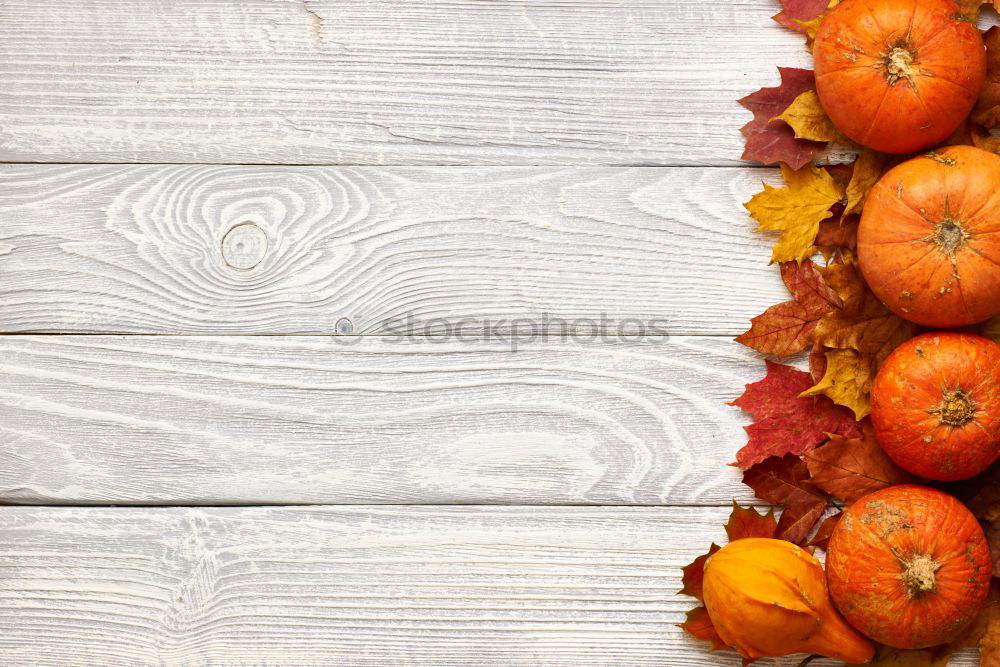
(694, 574)
(786, 328)
(747, 522)
(769, 142)
(785, 481)
(699, 626)
(784, 422)
(822, 537)
(800, 10)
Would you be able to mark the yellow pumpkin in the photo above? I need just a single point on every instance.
(768, 598)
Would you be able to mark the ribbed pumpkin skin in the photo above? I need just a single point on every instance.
(929, 239)
(878, 560)
(936, 405)
(898, 76)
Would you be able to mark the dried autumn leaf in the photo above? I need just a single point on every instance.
(899, 657)
(811, 26)
(864, 323)
(808, 120)
(694, 574)
(867, 170)
(991, 329)
(847, 381)
(785, 481)
(785, 423)
(746, 522)
(989, 644)
(822, 537)
(769, 142)
(795, 210)
(786, 328)
(840, 233)
(993, 537)
(981, 494)
(817, 362)
(800, 10)
(982, 139)
(699, 626)
(969, 10)
(987, 111)
(849, 468)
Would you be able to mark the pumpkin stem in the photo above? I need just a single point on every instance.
(956, 409)
(919, 575)
(900, 63)
(949, 236)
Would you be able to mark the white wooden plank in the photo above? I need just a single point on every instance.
(332, 420)
(197, 249)
(568, 82)
(353, 586)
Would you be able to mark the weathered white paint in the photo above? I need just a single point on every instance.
(215, 420)
(353, 586)
(203, 249)
(569, 82)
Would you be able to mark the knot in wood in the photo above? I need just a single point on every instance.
(244, 246)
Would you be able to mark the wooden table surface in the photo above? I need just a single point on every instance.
(273, 275)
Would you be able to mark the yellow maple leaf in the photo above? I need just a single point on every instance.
(811, 26)
(867, 170)
(847, 381)
(795, 210)
(805, 115)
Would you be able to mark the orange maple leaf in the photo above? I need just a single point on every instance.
(849, 468)
(747, 522)
(786, 328)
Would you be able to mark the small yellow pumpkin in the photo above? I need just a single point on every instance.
(768, 598)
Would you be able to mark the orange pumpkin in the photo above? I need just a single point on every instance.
(768, 597)
(929, 239)
(908, 566)
(898, 76)
(936, 405)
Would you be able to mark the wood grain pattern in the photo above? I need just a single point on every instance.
(264, 419)
(353, 586)
(569, 82)
(200, 249)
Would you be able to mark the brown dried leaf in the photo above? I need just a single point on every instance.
(817, 362)
(746, 522)
(867, 170)
(822, 537)
(786, 328)
(864, 323)
(699, 626)
(987, 111)
(694, 574)
(989, 643)
(849, 468)
(785, 481)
